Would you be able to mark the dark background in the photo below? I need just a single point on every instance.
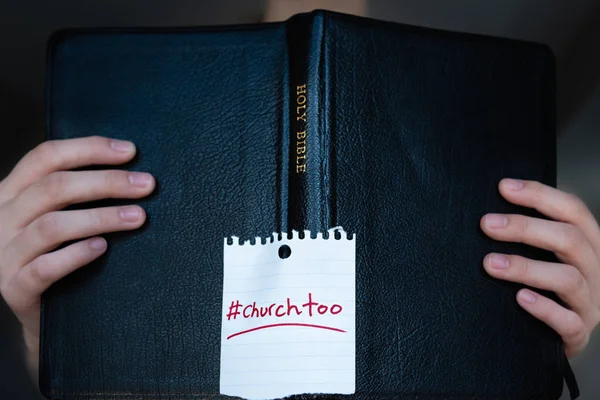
(571, 28)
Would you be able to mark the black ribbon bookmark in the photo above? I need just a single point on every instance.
(570, 378)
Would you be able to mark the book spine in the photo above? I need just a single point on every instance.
(305, 183)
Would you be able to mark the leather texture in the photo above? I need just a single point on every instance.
(409, 131)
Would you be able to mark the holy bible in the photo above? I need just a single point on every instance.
(398, 134)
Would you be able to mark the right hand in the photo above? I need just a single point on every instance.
(32, 225)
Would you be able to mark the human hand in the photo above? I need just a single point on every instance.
(32, 225)
(574, 236)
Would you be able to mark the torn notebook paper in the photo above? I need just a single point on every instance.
(288, 317)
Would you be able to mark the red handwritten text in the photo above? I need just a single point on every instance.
(287, 309)
(281, 310)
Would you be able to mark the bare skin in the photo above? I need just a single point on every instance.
(280, 10)
(32, 226)
(573, 235)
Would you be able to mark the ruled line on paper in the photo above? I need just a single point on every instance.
(289, 287)
(297, 274)
(295, 315)
(333, 261)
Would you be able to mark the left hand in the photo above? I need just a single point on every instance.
(574, 236)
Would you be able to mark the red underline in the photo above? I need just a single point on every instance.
(285, 324)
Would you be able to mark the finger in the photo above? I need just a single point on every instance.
(26, 286)
(565, 280)
(554, 203)
(566, 240)
(59, 189)
(52, 229)
(566, 323)
(57, 155)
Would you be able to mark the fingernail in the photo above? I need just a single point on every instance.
(514, 184)
(140, 179)
(527, 296)
(499, 261)
(122, 146)
(495, 221)
(98, 244)
(130, 214)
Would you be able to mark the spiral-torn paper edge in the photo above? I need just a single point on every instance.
(294, 235)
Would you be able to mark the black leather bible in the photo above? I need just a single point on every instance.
(401, 137)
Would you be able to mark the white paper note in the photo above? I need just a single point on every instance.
(288, 325)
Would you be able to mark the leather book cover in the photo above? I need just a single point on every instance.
(399, 134)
